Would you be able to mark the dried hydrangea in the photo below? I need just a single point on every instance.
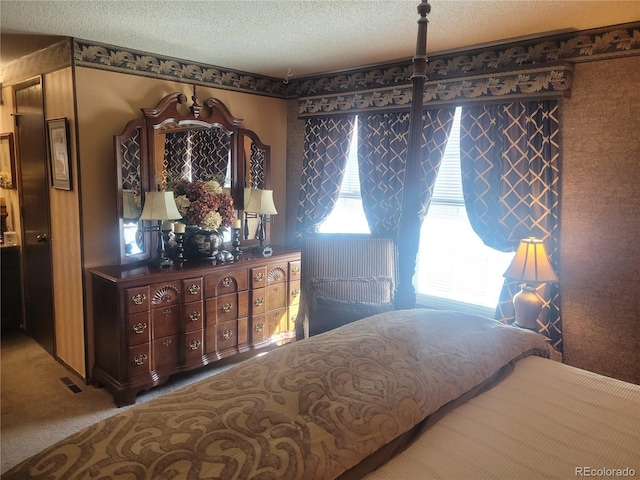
(204, 204)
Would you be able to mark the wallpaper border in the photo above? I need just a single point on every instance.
(389, 80)
(117, 59)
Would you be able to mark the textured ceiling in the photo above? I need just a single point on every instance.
(300, 38)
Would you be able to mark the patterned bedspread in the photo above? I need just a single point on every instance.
(308, 410)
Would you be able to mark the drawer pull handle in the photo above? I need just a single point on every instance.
(259, 276)
(167, 342)
(259, 301)
(227, 334)
(194, 289)
(295, 292)
(227, 281)
(139, 327)
(194, 344)
(140, 359)
(295, 270)
(193, 316)
(166, 311)
(259, 327)
(138, 299)
(226, 308)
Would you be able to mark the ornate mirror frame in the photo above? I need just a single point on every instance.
(139, 145)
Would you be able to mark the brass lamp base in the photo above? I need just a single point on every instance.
(527, 305)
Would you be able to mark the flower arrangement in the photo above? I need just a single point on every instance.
(203, 203)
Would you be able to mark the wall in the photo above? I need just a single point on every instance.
(600, 219)
(106, 102)
(66, 253)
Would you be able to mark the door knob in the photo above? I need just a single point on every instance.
(42, 238)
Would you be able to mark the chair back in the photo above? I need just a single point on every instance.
(345, 267)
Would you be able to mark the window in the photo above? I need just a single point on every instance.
(348, 215)
(454, 268)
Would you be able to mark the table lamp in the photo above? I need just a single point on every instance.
(261, 205)
(160, 206)
(531, 267)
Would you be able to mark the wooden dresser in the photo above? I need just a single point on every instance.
(152, 323)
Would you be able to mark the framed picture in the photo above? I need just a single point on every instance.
(7, 161)
(59, 153)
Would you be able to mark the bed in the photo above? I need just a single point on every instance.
(403, 394)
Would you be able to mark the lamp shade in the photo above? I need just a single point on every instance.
(160, 206)
(261, 201)
(531, 263)
(247, 196)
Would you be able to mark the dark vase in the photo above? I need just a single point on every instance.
(199, 243)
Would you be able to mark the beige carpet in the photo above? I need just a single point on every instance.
(38, 408)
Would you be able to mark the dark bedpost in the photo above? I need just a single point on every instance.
(409, 231)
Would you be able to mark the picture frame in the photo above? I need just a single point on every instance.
(7, 161)
(60, 166)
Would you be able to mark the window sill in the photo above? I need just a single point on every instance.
(439, 303)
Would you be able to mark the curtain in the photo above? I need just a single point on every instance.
(382, 155)
(326, 148)
(510, 159)
(210, 150)
(196, 154)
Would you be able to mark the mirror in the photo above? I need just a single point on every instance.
(175, 141)
(198, 142)
(256, 157)
(129, 145)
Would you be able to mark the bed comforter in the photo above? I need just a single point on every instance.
(312, 409)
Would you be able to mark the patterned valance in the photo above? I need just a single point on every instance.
(478, 66)
(552, 81)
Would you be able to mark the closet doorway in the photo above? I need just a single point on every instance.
(34, 201)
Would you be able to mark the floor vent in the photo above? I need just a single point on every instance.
(71, 386)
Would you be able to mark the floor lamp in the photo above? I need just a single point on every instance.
(531, 267)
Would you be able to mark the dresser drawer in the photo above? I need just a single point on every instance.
(226, 307)
(258, 301)
(294, 293)
(220, 284)
(295, 271)
(259, 329)
(138, 328)
(166, 321)
(258, 277)
(137, 299)
(192, 289)
(166, 352)
(138, 361)
(193, 347)
(278, 321)
(276, 295)
(293, 315)
(226, 335)
(277, 272)
(193, 316)
(165, 293)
